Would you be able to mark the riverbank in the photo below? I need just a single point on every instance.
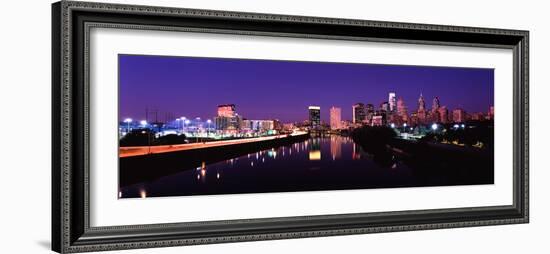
(465, 165)
(431, 162)
(131, 151)
(139, 165)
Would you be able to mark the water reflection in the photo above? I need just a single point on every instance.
(299, 166)
(336, 147)
(142, 193)
(315, 155)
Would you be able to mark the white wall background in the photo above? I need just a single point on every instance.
(25, 108)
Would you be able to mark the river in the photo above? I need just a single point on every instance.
(320, 163)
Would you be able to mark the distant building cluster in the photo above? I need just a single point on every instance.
(395, 111)
(229, 122)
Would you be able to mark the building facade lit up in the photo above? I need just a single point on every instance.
(358, 113)
(335, 118)
(314, 117)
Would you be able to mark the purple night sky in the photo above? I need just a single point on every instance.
(268, 89)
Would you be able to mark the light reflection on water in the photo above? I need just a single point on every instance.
(334, 160)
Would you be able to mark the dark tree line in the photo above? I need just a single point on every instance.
(481, 135)
(373, 139)
(146, 137)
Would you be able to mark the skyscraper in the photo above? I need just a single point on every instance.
(335, 118)
(443, 114)
(421, 103)
(401, 108)
(384, 106)
(392, 101)
(421, 112)
(226, 110)
(459, 115)
(369, 112)
(227, 118)
(435, 104)
(314, 117)
(358, 112)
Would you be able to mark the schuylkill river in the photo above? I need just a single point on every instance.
(329, 162)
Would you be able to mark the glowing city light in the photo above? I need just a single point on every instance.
(434, 126)
(455, 126)
(392, 125)
(142, 193)
(128, 120)
(463, 126)
(143, 123)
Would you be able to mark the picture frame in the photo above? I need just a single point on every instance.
(71, 228)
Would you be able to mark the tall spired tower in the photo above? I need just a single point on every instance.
(421, 104)
(435, 104)
(421, 112)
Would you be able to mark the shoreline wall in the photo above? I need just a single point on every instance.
(149, 167)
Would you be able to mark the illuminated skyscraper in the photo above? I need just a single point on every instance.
(401, 108)
(392, 101)
(479, 116)
(335, 118)
(227, 119)
(421, 114)
(435, 104)
(384, 106)
(459, 115)
(226, 110)
(369, 112)
(421, 103)
(443, 114)
(358, 112)
(315, 117)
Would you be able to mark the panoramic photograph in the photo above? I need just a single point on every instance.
(207, 126)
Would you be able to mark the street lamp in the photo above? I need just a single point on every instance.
(143, 123)
(178, 124)
(185, 121)
(182, 123)
(128, 121)
(434, 126)
(392, 125)
(208, 122)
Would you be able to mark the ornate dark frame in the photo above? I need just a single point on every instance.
(71, 22)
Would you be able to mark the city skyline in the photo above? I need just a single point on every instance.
(161, 83)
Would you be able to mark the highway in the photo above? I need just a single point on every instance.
(131, 151)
